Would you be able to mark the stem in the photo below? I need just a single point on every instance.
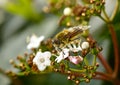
(94, 60)
(108, 76)
(116, 82)
(2, 72)
(101, 78)
(105, 64)
(114, 40)
(61, 19)
(115, 11)
(86, 61)
(116, 51)
(79, 71)
(105, 20)
(105, 14)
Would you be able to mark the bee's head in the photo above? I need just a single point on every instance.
(56, 41)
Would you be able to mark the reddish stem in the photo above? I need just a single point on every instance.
(107, 77)
(105, 64)
(115, 82)
(116, 50)
(101, 78)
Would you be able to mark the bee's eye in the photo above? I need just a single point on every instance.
(56, 41)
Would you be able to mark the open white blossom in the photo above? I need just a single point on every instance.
(42, 60)
(63, 54)
(67, 11)
(85, 45)
(35, 41)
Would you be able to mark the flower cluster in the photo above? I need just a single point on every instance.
(72, 51)
(74, 12)
(66, 53)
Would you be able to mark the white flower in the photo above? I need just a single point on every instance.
(85, 45)
(60, 57)
(42, 60)
(35, 42)
(67, 11)
(63, 54)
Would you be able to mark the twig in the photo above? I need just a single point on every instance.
(105, 64)
(108, 76)
(116, 51)
(115, 10)
(101, 78)
(114, 38)
(3, 72)
(106, 16)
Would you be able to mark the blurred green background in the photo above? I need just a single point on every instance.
(22, 18)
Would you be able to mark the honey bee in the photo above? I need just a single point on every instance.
(67, 35)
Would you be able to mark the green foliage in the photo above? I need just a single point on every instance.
(23, 8)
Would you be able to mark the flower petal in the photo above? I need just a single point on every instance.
(47, 62)
(47, 54)
(35, 42)
(42, 60)
(41, 67)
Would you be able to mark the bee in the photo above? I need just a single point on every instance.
(67, 35)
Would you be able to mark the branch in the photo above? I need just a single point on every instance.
(116, 50)
(3, 72)
(107, 77)
(104, 62)
(115, 11)
(103, 76)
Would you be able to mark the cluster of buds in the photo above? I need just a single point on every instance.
(57, 5)
(74, 13)
(67, 53)
(96, 6)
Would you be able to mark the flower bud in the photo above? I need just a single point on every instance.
(85, 45)
(67, 11)
(77, 82)
(87, 80)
